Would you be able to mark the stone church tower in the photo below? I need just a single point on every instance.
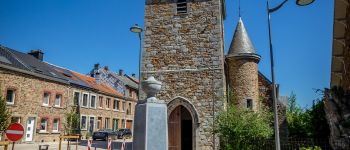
(242, 64)
(184, 49)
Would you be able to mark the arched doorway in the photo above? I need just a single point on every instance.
(180, 129)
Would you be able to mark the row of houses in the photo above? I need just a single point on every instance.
(39, 94)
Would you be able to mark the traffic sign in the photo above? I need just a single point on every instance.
(14, 132)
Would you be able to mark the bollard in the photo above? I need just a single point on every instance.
(89, 143)
(109, 146)
(123, 144)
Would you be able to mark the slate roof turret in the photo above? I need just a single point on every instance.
(241, 45)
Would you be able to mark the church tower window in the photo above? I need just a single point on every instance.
(249, 103)
(181, 6)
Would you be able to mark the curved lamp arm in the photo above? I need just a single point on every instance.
(277, 7)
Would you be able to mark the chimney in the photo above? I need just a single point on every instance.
(96, 66)
(98, 77)
(106, 68)
(133, 75)
(38, 54)
(121, 72)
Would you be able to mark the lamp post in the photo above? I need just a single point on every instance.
(274, 97)
(138, 30)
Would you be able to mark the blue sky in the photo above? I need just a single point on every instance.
(76, 34)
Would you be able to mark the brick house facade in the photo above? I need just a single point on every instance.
(39, 94)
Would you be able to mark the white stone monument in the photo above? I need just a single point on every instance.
(151, 119)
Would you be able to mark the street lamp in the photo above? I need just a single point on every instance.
(138, 30)
(274, 97)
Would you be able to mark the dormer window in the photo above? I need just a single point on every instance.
(181, 6)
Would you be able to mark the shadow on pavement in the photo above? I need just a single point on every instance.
(103, 145)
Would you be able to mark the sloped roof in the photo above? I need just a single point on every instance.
(99, 86)
(241, 43)
(73, 79)
(27, 63)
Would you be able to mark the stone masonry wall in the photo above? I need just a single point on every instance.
(185, 52)
(102, 112)
(243, 78)
(28, 102)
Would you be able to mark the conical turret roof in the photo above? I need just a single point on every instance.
(241, 44)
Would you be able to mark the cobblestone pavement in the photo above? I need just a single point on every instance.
(82, 145)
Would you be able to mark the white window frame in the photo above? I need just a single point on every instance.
(100, 106)
(60, 100)
(88, 125)
(13, 97)
(97, 123)
(91, 95)
(116, 100)
(87, 100)
(81, 121)
(48, 101)
(78, 97)
(58, 125)
(109, 123)
(46, 125)
(123, 105)
(108, 99)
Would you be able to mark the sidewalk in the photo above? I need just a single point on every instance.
(100, 145)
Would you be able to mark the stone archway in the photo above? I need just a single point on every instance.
(182, 124)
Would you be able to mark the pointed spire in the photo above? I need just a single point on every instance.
(239, 8)
(241, 43)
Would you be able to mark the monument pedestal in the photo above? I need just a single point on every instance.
(151, 121)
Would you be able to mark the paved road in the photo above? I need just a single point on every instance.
(97, 145)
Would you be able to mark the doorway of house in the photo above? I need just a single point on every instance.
(180, 126)
(30, 129)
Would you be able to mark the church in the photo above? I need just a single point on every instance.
(183, 48)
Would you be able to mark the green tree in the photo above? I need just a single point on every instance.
(5, 116)
(298, 119)
(236, 126)
(318, 120)
(306, 123)
(72, 122)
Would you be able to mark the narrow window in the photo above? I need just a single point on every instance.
(123, 106)
(93, 101)
(108, 101)
(249, 103)
(118, 104)
(107, 121)
(55, 127)
(100, 101)
(129, 109)
(181, 6)
(58, 100)
(115, 124)
(43, 125)
(91, 124)
(115, 104)
(83, 123)
(123, 123)
(85, 100)
(76, 98)
(46, 99)
(10, 96)
(99, 122)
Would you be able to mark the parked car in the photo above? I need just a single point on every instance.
(103, 134)
(123, 132)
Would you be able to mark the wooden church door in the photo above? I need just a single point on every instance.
(174, 129)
